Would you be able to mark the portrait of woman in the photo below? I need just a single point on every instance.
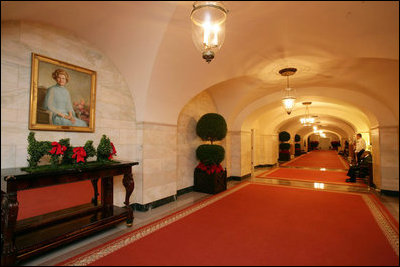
(63, 96)
(58, 101)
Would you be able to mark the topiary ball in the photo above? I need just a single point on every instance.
(284, 136)
(284, 146)
(211, 127)
(297, 138)
(210, 154)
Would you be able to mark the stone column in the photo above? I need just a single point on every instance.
(389, 157)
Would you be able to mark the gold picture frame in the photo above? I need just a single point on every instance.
(63, 96)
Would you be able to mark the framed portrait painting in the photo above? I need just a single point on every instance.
(63, 96)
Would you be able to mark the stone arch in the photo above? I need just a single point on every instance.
(187, 140)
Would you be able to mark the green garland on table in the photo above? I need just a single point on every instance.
(64, 156)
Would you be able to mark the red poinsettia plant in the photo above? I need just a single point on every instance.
(79, 154)
(57, 149)
(209, 169)
(113, 151)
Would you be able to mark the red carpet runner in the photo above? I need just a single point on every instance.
(319, 159)
(259, 224)
(331, 177)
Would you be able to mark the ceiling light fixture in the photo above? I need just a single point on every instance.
(289, 98)
(307, 120)
(208, 27)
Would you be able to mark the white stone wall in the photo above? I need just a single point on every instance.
(156, 178)
(235, 152)
(265, 151)
(266, 148)
(188, 141)
(115, 109)
(376, 157)
(389, 151)
(245, 153)
(259, 154)
(271, 152)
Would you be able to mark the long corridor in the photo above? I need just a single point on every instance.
(303, 178)
(323, 167)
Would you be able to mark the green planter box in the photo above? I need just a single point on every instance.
(209, 183)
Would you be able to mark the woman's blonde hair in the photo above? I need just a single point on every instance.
(58, 72)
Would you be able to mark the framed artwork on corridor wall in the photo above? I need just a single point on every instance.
(63, 96)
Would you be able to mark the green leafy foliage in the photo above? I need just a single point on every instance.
(314, 144)
(36, 149)
(210, 154)
(89, 148)
(104, 149)
(67, 158)
(284, 136)
(211, 127)
(284, 146)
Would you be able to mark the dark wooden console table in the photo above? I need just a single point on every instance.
(25, 238)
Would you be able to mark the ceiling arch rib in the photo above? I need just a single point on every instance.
(307, 132)
(337, 126)
(332, 132)
(272, 117)
(359, 109)
(322, 121)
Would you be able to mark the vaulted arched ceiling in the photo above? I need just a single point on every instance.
(346, 54)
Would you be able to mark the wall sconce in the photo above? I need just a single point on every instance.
(208, 27)
(288, 98)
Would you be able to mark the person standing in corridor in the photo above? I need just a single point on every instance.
(360, 147)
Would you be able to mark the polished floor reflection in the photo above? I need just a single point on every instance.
(185, 200)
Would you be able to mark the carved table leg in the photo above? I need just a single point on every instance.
(96, 191)
(129, 186)
(9, 213)
(107, 197)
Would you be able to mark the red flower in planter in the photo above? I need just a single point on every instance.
(210, 168)
(285, 151)
(57, 148)
(79, 154)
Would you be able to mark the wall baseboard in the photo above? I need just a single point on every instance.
(185, 190)
(238, 178)
(390, 193)
(160, 202)
(264, 166)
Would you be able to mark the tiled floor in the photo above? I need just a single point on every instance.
(143, 218)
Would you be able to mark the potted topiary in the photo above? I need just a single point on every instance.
(284, 148)
(209, 176)
(297, 150)
(335, 145)
(314, 145)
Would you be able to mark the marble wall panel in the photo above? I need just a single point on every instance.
(376, 157)
(235, 153)
(245, 153)
(158, 158)
(389, 151)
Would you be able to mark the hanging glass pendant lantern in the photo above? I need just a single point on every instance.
(208, 27)
(288, 99)
(307, 120)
